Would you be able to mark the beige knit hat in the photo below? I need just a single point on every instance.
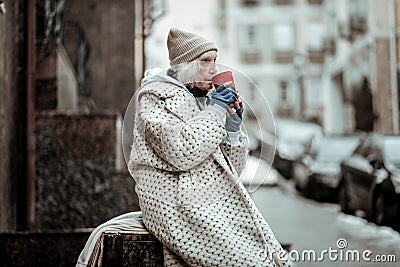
(185, 46)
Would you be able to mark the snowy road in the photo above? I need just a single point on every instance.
(313, 227)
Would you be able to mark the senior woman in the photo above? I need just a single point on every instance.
(186, 158)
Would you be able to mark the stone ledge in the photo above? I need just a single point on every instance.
(42, 248)
(62, 248)
(139, 249)
(132, 249)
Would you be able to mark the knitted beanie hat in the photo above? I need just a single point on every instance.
(185, 46)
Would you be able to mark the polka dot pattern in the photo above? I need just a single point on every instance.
(187, 185)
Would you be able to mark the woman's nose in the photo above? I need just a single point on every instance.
(213, 69)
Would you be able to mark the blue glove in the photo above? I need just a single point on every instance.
(239, 112)
(233, 122)
(223, 96)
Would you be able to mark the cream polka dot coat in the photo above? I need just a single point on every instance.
(187, 182)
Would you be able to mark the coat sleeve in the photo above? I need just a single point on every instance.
(237, 154)
(184, 143)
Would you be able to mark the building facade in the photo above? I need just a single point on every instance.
(360, 81)
(280, 46)
(334, 62)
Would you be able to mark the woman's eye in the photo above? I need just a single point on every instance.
(204, 62)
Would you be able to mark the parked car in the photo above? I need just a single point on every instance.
(371, 180)
(259, 172)
(291, 139)
(264, 146)
(317, 174)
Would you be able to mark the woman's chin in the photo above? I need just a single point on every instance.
(204, 85)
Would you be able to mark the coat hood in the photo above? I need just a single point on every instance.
(159, 75)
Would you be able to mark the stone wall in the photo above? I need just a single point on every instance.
(76, 182)
(109, 28)
(12, 109)
(44, 249)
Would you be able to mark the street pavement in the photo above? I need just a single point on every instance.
(323, 236)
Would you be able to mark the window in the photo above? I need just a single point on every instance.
(358, 16)
(284, 109)
(250, 3)
(250, 43)
(283, 2)
(315, 2)
(315, 32)
(283, 92)
(330, 46)
(284, 42)
(313, 92)
(315, 41)
(251, 36)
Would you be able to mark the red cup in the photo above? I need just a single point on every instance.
(223, 77)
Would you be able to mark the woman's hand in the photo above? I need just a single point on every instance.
(223, 96)
(238, 106)
(234, 118)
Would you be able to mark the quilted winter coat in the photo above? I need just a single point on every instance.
(187, 181)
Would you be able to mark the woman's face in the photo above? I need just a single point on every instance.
(207, 69)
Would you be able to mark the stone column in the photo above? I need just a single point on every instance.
(381, 74)
(12, 110)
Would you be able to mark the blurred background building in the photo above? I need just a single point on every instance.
(68, 69)
(312, 59)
